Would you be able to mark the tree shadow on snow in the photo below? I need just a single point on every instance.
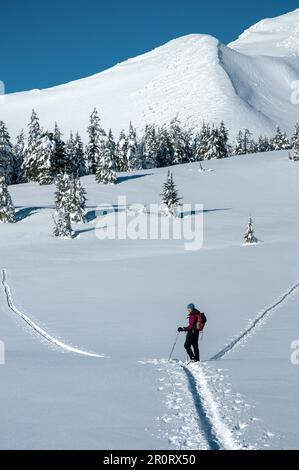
(25, 212)
(123, 179)
(205, 211)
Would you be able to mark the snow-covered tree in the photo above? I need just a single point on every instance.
(6, 154)
(7, 210)
(134, 155)
(59, 160)
(201, 143)
(62, 225)
(170, 200)
(244, 143)
(164, 148)
(106, 173)
(280, 141)
(74, 156)
(177, 142)
(44, 170)
(149, 147)
(216, 145)
(19, 159)
(82, 164)
(96, 138)
(122, 152)
(263, 144)
(77, 207)
(249, 236)
(34, 148)
(295, 143)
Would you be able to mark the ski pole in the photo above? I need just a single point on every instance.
(174, 345)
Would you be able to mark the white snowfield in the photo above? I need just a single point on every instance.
(126, 298)
(249, 84)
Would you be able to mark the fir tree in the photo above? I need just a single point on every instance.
(280, 141)
(170, 202)
(263, 144)
(244, 143)
(19, 159)
(62, 225)
(81, 163)
(7, 210)
(134, 156)
(216, 145)
(295, 143)
(96, 137)
(177, 142)
(59, 159)
(6, 154)
(149, 147)
(201, 143)
(77, 205)
(44, 170)
(34, 148)
(105, 173)
(249, 236)
(164, 148)
(122, 152)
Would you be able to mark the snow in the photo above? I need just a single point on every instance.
(125, 299)
(246, 83)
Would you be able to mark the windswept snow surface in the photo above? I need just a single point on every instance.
(247, 84)
(127, 298)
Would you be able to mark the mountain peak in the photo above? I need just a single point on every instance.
(276, 37)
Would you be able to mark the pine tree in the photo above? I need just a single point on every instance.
(96, 136)
(106, 173)
(295, 136)
(164, 148)
(216, 145)
(44, 170)
(34, 148)
(280, 141)
(121, 152)
(71, 156)
(149, 147)
(19, 159)
(170, 202)
(249, 236)
(134, 155)
(244, 143)
(6, 154)
(64, 196)
(62, 225)
(82, 164)
(59, 160)
(177, 142)
(263, 144)
(77, 207)
(201, 143)
(7, 210)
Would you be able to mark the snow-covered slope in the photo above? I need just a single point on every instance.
(273, 37)
(124, 299)
(195, 76)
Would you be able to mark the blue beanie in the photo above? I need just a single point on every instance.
(192, 306)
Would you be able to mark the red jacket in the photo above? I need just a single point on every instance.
(194, 317)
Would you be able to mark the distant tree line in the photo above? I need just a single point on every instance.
(43, 155)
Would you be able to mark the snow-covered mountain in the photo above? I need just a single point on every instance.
(247, 84)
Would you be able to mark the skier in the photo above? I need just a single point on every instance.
(197, 321)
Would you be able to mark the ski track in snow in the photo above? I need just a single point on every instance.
(39, 331)
(259, 320)
(218, 435)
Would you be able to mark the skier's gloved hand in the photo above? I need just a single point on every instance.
(180, 330)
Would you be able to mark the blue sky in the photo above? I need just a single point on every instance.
(52, 42)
